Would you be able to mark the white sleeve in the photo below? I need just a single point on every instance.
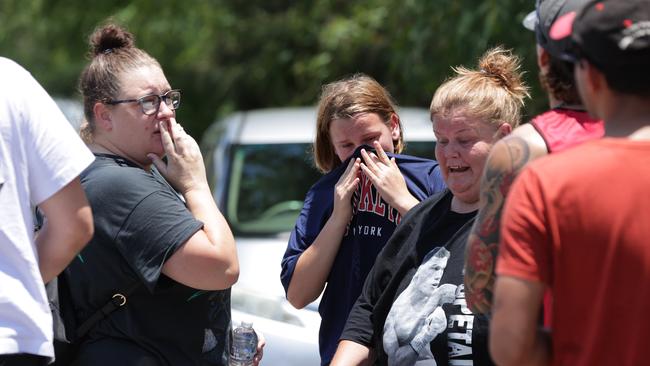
(55, 152)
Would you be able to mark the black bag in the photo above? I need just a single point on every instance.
(68, 335)
(63, 319)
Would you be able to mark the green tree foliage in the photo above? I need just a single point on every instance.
(230, 55)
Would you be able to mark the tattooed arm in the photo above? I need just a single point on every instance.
(506, 160)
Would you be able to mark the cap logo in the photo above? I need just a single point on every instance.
(563, 26)
(634, 32)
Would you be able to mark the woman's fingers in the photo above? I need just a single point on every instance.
(349, 167)
(369, 160)
(369, 173)
(261, 342)
(159, 163)
(349, 179)
(377, 161)
(383, 157)
(179, 131)
(393, 164)
(182, 140)
(352, 176)
(165, 136)
(169, 125)
(351, 170)
(353, 184)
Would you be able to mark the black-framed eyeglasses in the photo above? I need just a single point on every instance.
(150, 104)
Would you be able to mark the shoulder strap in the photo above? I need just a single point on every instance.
(117, 301)
(118, 160)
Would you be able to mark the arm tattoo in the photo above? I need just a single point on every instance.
(502, 167)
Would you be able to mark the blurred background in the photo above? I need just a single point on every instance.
(257, 67)
(229, 55)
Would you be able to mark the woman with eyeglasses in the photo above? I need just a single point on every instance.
(161, 247)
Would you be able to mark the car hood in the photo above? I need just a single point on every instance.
(259, 264)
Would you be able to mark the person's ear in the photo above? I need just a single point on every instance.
(595, 78)
(394, 127)
(503, 130)
(543, 59)
(103, 116)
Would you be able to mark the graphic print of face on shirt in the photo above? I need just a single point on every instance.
(416, 316)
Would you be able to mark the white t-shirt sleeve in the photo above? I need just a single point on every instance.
(55, 152)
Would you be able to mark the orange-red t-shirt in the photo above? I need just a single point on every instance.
(580, 223)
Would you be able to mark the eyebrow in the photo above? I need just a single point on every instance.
(151, 89)
(370, 134)
(457, 132)
(363, 137)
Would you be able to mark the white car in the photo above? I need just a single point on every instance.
(72, 109)
(260, 167)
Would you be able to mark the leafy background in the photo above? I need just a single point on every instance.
(231, 55)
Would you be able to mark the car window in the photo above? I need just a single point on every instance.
(268, 183)
(423, 149)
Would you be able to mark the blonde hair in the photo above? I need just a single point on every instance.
(344, 99)
(112, 52)
(494, 93)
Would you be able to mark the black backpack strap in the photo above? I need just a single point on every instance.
(117, 301)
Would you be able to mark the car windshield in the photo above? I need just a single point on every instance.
(268, 183)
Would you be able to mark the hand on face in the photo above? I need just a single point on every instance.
(184, 170)
(347, 134)
(343, 190)
(384, 175)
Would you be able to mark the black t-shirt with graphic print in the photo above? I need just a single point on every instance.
(428, 230)
(140, 221)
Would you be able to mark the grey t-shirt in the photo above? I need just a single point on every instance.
(140, 221)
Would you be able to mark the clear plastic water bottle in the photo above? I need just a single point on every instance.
(244, 345)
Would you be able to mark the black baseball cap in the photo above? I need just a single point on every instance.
(542, 18)
(613, 35)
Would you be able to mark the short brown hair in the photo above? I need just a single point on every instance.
(345, 99)
(495, 92)
(112, 52)
(559, 81)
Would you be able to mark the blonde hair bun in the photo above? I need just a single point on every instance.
(494, 92)
(503, 67)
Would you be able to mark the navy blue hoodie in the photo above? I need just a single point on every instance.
(373, 222)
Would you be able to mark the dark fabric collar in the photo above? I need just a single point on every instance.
(118, 159)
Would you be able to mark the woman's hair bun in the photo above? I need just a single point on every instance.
(110, 37)
(502, 66)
